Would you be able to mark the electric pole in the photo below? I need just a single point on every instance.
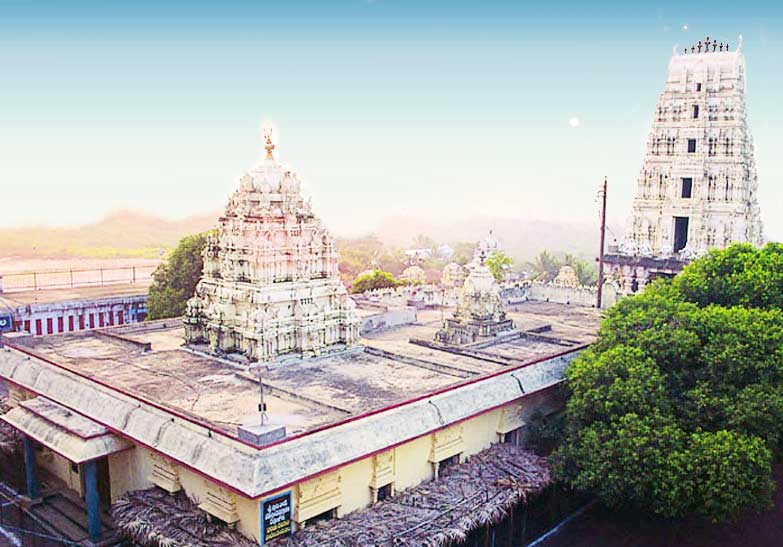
(602, 195)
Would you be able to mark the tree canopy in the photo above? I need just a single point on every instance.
(546, 265)
(174, 281)
(678, 406)
(498, 262)
(376, 279)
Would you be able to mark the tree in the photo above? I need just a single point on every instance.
(498, 263)
(545, 266)
(463, 252)
(373, 280)
(678, 406)
(586, 272)
(174, 281)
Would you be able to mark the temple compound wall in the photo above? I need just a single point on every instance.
(441, 430)
(697, 188)
(56, 317)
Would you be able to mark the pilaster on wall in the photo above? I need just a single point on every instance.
(318, 496)
(445, 444)
(220, 503)
(165, 474)
(382, 472)
(510, 419)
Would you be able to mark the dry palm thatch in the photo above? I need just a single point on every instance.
(154, 518)
(10, 440)
(480, 492)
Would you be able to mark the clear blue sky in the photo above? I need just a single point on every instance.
(442, 109)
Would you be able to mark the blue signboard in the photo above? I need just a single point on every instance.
(276, 517)
(6, 322)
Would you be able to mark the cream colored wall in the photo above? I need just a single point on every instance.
(60, 468)
(355, 486)
(412, 463)
(130, 470)
(480, 432)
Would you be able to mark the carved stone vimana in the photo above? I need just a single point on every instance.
(270, 285)
(697, 188)
(479, 312)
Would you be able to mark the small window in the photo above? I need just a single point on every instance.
(448, 462)
(695, 111)
(74, 468)
(687, 187)
(691, 146)
(698, 87)
(384, 492)
(515, 436)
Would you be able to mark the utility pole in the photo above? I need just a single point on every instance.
(602, 195)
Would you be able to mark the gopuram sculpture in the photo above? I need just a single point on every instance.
(479, 312)
(270, 285)
(697, 188)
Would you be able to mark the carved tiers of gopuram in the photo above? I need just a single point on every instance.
(270, 285)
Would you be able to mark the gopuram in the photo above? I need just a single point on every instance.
(479, 312)
(697, 188)
(270, 284)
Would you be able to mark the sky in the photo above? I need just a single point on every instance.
(442, 110)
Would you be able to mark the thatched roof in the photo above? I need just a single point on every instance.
(10, 440)
(154, 518)
(437, 513)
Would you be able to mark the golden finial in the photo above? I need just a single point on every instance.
(269, 145)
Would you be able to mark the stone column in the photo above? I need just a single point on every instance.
(31, 477)
(92, 498)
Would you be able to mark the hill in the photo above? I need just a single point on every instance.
(119, 234)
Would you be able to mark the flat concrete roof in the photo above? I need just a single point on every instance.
(88, 292)
(307, 394)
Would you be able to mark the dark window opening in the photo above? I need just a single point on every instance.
(680, 233)
(691, 146)
(74, 468)
(695, 111)
(687, 187)
(698, 87)
(514, 437)
(448, 462)
(635, 285)
(326, 515)
(384, 492)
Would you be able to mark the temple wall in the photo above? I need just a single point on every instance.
(387, 319)
(576, 296)
(60, 317)
(350, 485)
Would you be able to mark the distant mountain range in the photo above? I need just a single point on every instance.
(119, 234)
(521, 238)
(137, 234)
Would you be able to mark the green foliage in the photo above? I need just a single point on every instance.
(174, 281)
(544, 266)
(678, 407)
(586, 272)
(463, 252)
(374, 280)
(498, 263)
(738, 276)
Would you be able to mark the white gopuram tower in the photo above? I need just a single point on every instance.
(270, 284)
(697, 188)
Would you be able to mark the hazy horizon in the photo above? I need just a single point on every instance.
(434, 110)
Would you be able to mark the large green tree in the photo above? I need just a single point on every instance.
(498, 263)
(373, 280)
(678, 406)
(174, 281)
(544, 266)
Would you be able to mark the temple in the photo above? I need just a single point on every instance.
(270, 285)
(697, 188)
(479, 312)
